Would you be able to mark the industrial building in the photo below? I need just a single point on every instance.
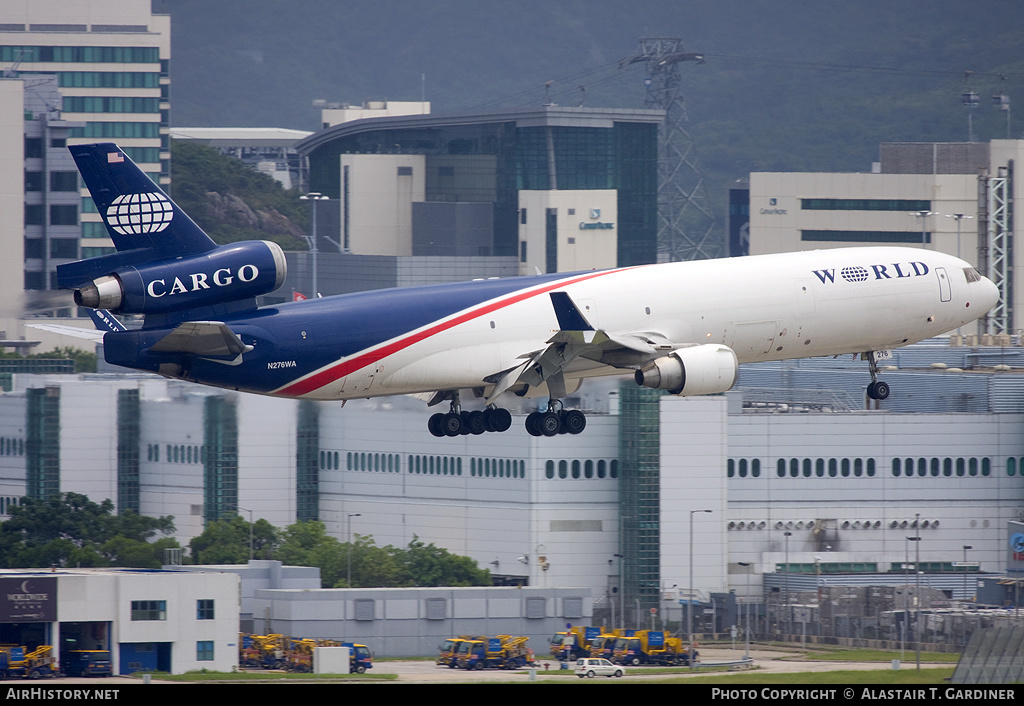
(147, 620)
(957, 198)
(72, 74)
(549, 189)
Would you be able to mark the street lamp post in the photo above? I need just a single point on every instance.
(923, 215)
(349, 540)
(313, 247)
(250, 532)
(966, 547)
(786, 594)
(689, 602)
(917, 586)
(959, 217)
(746, 595)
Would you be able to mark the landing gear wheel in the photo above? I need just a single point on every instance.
(452, 424)
(533, 424)
(498, 420)
(475, 422)
(549, 423)
(436, 424)
(574, 421)
(878, 390)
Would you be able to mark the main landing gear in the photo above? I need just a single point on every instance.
(551, 422)
(457, 422)
(878, 389)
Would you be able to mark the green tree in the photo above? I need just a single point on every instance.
(71, 530)
(227, 541)
(429, 565)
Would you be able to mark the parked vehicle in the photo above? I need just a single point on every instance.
(591, 667)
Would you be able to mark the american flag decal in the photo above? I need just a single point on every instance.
(114, 157)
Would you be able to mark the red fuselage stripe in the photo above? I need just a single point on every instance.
(339, 370)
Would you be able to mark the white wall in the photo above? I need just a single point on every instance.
(694, 439)
(583, 241)
(380, 201)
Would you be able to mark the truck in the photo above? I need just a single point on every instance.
(447, 651)
(574, 643)
(603, 646)
(649, 647)
(501, 652)
(40, 662)
(295, 654)
(261, 651)
(360, 658)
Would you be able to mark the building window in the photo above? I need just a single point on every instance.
(63, 181)
(204, 651)
(204, 609)
(149, 610)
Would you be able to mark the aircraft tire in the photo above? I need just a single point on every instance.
(574, 421)
(476, 422)
(533, 424)
(436, 424)
(878, 390)
(452, 424)
(549, 423)
(497, 419)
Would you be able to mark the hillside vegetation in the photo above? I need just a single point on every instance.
(231, 201)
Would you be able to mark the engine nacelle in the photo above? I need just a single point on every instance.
(699, 370)
(228, 273)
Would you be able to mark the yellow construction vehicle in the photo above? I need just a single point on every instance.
(649, 647)
(501, 652)
(261, 651)
(603, 646)
(574, 643)
(448, 650)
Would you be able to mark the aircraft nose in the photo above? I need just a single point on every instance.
(988, 294)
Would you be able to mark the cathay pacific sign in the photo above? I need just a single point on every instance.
(773, 209)
(595, 222)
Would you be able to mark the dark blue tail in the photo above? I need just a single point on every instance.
(164, 266)
(142, 220)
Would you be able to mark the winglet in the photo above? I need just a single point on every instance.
(570, 318)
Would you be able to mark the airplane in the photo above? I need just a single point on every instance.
(680, 327)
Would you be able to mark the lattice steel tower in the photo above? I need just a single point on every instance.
(686, 224)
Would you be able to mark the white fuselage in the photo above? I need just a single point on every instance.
(770, 307)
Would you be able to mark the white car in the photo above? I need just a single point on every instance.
(594, 667)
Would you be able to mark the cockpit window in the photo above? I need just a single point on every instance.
(971, 274)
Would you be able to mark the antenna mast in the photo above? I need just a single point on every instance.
(686, 223)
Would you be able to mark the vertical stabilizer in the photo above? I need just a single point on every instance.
(137, 212)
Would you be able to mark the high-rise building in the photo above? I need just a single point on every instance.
(73, 73)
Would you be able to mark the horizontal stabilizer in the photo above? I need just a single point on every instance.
(86, 334)
(202, 338)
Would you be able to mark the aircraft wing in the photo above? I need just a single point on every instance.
(577, 343)
(209, 339)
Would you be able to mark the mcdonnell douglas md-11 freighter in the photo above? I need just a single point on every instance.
(681, 327)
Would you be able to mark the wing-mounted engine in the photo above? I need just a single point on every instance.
(697, 370)
(225, 274)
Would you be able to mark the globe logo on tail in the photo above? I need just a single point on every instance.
(135, 214)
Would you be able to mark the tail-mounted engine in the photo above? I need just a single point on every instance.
(228, 273)
(700, 370)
